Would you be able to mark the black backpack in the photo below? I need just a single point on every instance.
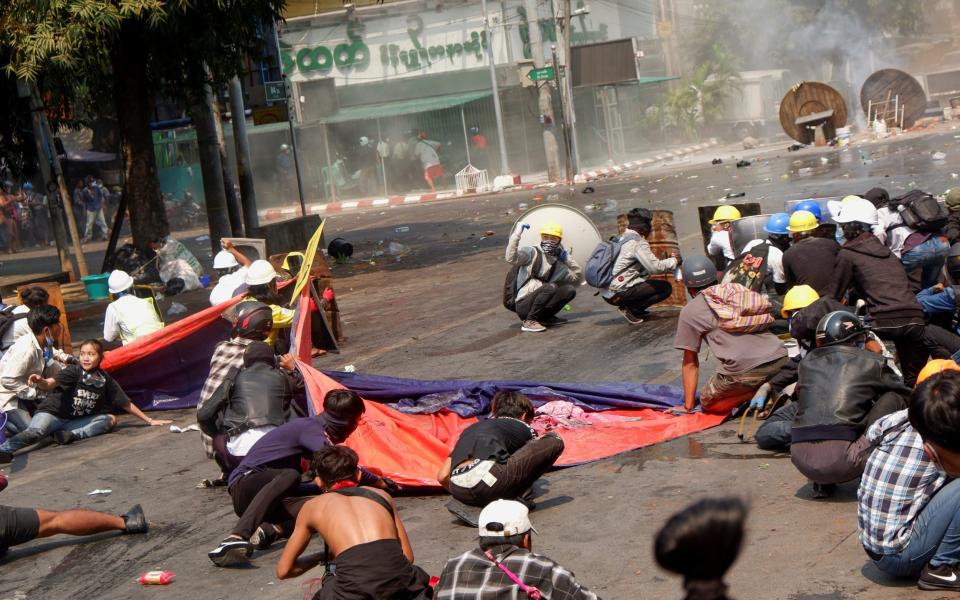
(921, 212)
(510, 287)
(750, 268)
(7, 318)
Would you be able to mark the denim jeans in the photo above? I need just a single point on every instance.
(934, 537)
(929, 257)
(17, 420)
(43, 424)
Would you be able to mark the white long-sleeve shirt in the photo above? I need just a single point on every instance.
(22, 360)
(721, 242)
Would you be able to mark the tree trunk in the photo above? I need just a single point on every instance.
(134, 102)
(202, 114)
(229, 186)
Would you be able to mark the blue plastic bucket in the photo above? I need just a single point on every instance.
(96, 286)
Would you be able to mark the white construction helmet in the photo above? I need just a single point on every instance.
(260, 272)
(224, 260)
(119, 281)
(857, 210)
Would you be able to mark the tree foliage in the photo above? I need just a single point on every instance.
(699, 100)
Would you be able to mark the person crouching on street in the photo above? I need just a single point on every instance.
(631, 290)
(546, 277)
(128, 317)
(842, 389)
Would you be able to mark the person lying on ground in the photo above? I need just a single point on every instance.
(504, 565)
(271, 472)
(261, 280)
(546, 278)
(253, 322)
(30, 355)
(30, 298)
(78, 405)
(908, 504)
(128, 317)
(366, 553)
(231, 267)
(499, 457)
(701, 543)
(255, 401)
(20, 525)
(749, 355)
(842, 389)
(867, 267)
(632, 290)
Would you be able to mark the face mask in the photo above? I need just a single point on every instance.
(550, 247)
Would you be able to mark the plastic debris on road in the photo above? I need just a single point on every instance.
(156, 578)
(403, 229)
(349, 369)
(736, 195)
(938, 156)
(175, 429)
(99, 492)
(396, 249)
(588, 190)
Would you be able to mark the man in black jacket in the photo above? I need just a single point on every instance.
(868, 267)
(811, 259)
(842, 389)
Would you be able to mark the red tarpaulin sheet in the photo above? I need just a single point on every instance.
(410, 448)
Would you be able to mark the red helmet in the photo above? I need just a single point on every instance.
(254, 321)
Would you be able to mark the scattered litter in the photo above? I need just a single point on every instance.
(824, 160)
(634, 190)
(522, 206)
(349, 369)
(156, 578)
(749, 143)
(176, 309)
(102, 492)
(804, 171)
(610, 205)
(487, 234)
(954, 175)
(795, 148)
(553, 198)
(202, 238)
(396, 249)
(588, 190)
(717, 161)
(938, 156)
(175, 429)
(693, 177)
(683, 200)
(654, 191)
(743, 163)
(736, 195)
(764, 466)
(567, 308)
(403, 229)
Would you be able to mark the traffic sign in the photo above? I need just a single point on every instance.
(275, 91)
(544, 73)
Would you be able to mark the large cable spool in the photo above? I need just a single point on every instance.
(891, 83)
(809, 98)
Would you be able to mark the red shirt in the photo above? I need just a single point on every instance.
(479, 141)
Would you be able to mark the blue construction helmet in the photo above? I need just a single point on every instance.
(777, 224)
(810, 206)
(28, 186)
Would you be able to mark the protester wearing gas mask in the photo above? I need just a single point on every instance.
(543, 278)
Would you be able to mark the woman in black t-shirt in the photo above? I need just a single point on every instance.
(78, 405)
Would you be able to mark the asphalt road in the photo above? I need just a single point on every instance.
(434, 312)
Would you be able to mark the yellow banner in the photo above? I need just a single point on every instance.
(304, 276)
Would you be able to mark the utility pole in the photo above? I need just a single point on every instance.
(45, 142)
(291, 116)
(567, 145)
(204, 120)
(550, 146)
(248, 195)
(504, 169)
(570, 113)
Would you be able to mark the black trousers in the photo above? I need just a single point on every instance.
(517, 475)
(940, 342)
(638, 298)
(545, 302)
(266, 496)
(907, 336)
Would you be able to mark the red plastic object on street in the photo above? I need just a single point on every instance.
(157, 578)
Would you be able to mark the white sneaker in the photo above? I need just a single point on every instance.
(533, 326)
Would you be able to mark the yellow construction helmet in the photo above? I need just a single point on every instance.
(802, 220)
(552, 228)
(936, 366)
(799, 296)
(725, 213)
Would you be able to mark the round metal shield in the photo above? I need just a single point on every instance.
(580, 235)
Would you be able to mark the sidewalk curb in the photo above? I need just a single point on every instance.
(595, 174)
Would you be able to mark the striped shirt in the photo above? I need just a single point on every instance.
(898, 481)
(227, 355)
(471, 576)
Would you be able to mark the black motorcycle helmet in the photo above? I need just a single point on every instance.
(254, 321)
(838, 327)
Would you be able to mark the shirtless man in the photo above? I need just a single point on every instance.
(367, 552)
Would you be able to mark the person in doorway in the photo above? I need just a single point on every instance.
(271, 472)
(632, 291)
(21, 525)
(426, 151)
(720, 246)
(261, 280)
(231, 267)
(30, 355)
(499, 457)
(546, 277)
(868, 267)
(909, 498)
(761, 261)
(366, 551)
(701, 543)
(30, 298)
(811, 259)
(93, 201)
(128, 317)
(259, 400)
(504, 565)
(842, 389)
(749, 355)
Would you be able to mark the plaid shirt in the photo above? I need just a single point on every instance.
(227, 355)
(897, 483)
(471, 576)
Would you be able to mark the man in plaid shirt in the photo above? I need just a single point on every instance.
(504, 565)
(909, 505)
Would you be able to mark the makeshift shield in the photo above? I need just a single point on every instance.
(706, 213)
(747, 229)
(580, 235)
